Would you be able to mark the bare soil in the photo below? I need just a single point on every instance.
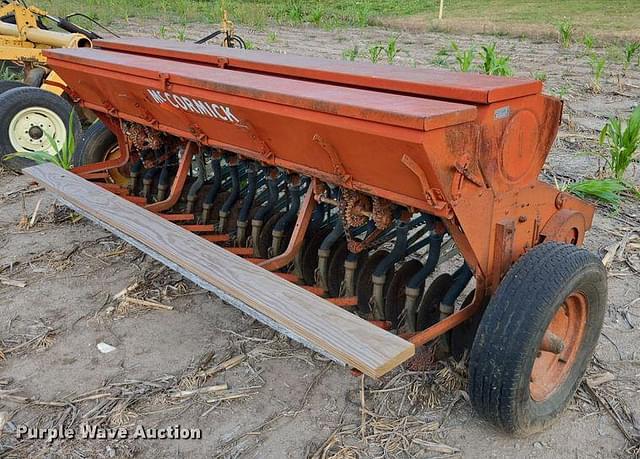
(288, 401)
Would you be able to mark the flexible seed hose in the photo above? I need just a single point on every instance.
(197, 185)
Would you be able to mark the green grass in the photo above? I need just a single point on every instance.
(585, 15)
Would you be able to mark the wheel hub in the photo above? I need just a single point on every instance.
(31, 129)
(36, 132)
(559, 347)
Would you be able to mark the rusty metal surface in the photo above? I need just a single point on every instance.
(464, 87)
(403, 111)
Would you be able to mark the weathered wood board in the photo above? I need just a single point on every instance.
(303, 316)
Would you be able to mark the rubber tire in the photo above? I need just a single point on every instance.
(512, 327)
(7, 85)
(15, 100)
(429, 310)
(94, 145)
(395, 299)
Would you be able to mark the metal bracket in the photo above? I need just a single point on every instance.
(434, 196)
(263, 146)
(111, 110)
(463, 172)
(164, 81)
(338, 167)
(198, 134)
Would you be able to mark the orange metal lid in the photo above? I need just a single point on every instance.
(442, 84)
(392, 109)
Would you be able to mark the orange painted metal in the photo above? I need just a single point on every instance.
(241, 251)
(464, 147)
(199, 228)
(135, 199)
(178, 217)
(297, 237)
(555, 360)
(96, 175)
(112, 163)
(421, 82)
(178, 182)
(444, 325)
(217, 237)
(344, 301)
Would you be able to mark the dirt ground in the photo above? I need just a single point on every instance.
(283, 400)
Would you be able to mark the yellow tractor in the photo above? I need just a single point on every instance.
(34, 113)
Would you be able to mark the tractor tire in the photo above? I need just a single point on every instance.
(6, 85)
(26, 114)
(95, 145)
(99, 144)
(557, 291)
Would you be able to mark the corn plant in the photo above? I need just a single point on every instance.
(623, 141)
(441, 59)
(630, 49)
(375, 52)
(565, 29)
(6, 73)
(392, 49)
(351, 54)
(464, 58)
(598, 64)
(539, 75)
(589, 42)
(64, 154)
(561, 92)
(493, 63)
(181, 35)
(605, 190)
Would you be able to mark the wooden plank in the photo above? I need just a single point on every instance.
(287, 307)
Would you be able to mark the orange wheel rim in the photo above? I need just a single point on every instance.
(559, 348)
(119, 175)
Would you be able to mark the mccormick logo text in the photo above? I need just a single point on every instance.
(200, 107)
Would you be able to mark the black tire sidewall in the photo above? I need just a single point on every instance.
(8, 85)
(512, 328)
(585, 282)
(94, 145)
